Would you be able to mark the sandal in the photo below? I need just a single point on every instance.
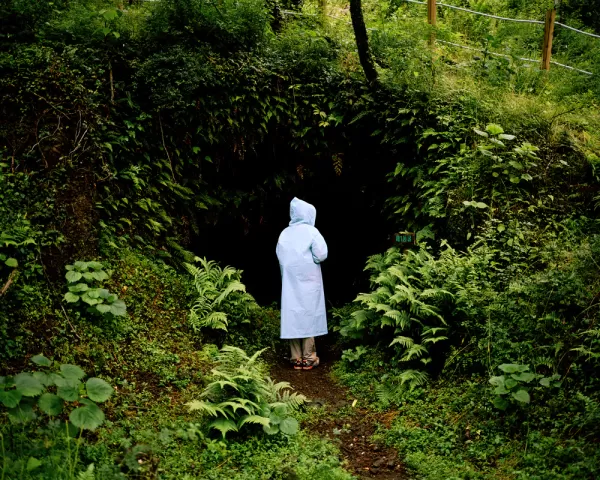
(306, 365)
(298, 364)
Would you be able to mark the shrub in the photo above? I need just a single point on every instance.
(240, 395)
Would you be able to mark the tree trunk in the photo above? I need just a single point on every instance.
(362, 42)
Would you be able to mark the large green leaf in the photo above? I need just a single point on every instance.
(68, 389)
(545, 382)
(41, 360)
(23, 412)
(93, 293)
(10, 398)
(118, 308)
(524, 376)
(104, 293)
(513, 368)
(521, 396)
(33, 463)
(95, 265)
(98, 390)
(501, 403)
(510, 383)
(88, 417)
(44, 378)
(12, 262)
(28, 385)
(72, 276)
(271, 429)
(80, 287)
(50, 404)
(89, 300)
(100, 275)
(71, 297)
(494, 129)
(275, 419)
(103, 308)
(72, 371)
(289, 426)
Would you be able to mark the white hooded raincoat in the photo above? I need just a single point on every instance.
(300, 250)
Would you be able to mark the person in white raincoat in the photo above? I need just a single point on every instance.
(300, 250)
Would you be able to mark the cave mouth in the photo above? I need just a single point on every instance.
(350, 217)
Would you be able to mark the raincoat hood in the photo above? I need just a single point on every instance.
(302, 212)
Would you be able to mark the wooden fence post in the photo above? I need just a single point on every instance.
(548, 34)
(431, 12)
(432, 18)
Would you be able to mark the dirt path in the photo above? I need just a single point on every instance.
(351, 428)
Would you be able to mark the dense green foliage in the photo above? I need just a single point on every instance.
(130, 132)
(240, 384)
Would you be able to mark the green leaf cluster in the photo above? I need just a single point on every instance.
(400, 307)
(514, 386)
(220, 296)
(241, 395)
(53, 389)
(81, 280)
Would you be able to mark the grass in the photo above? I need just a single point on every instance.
(156, 366)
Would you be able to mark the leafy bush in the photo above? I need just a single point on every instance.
(81, 278)
(221, 296)
(53, 390)
(400, 307)
(514, 386)
(17, 394)
(240, 394)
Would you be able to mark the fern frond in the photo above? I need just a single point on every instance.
(255, 356)
(232, 287)
(406, 342)
(254, 419)
(88, 474)
(235, 406)
(207, 407)
(216, 320)
(224, 425)
(415, 378)
(292, 399)
(415, 351)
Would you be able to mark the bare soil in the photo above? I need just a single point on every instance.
(352, 431)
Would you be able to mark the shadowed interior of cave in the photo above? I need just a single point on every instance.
(349, 216)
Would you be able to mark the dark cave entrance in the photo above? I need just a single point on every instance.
(350, 216)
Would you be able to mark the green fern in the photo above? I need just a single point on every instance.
(220, 295)
(241, 395)
(401, 305)
(88, 474)
(392, 388)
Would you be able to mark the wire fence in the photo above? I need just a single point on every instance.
(516, 20)
(475, 12)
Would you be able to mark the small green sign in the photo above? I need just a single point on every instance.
(405, 238)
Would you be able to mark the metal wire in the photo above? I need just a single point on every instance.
(574, 29)
(491, 53)
(491, 16)
(520, 58)
(570, 68)
(290, 12)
